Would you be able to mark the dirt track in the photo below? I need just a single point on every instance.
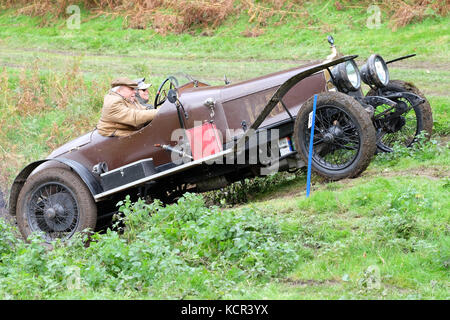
(404, 64)
(23, 55)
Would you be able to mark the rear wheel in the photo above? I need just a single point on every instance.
(405, 128)
(56, 202)
(344, 136)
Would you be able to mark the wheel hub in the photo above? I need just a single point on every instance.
(328, 137)
(50, 213)
(395, 124)
(59, 212)
(336, 131)
(332, 133)
(54, 211)
(401, 107)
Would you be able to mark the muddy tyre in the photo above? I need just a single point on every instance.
(344, 136)
(55, 201)
(417, 119)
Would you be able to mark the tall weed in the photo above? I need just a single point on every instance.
(243, 191)
(169, 16)
(33, 106)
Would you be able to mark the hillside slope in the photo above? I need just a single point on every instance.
(53, 77)
(384, 235)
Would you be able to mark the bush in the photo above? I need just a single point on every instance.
(183, 247)
(7, 239)
(243, 191)
(210, 238)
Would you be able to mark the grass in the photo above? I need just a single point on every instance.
(381, 236)
(394, 219)
(295, 39)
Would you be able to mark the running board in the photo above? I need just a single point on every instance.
(159, 175)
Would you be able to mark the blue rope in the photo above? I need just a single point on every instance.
(311, 140)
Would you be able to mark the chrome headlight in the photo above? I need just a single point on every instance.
(375, 71)
(346, 76)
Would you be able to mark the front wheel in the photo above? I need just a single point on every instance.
(344, 136)
(57, 203)
(409, 124)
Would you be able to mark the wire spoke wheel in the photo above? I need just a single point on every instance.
(402, 129)
(344, 136)
(336, 138)
(56, 203)
(53, 209)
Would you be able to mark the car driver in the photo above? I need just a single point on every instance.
(121, 114)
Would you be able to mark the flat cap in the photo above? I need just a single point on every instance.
(141, 84)
(124, 82)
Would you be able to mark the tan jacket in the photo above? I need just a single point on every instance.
(120, 117)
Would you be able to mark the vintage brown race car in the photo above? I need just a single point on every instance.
(206, 137)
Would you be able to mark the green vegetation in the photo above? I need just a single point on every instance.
(384, 235)
(203, 250)
(381, 236)
(294, 39)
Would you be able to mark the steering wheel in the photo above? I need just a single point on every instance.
(161, 94)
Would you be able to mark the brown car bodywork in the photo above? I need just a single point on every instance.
(266, 102)
(234, 103)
